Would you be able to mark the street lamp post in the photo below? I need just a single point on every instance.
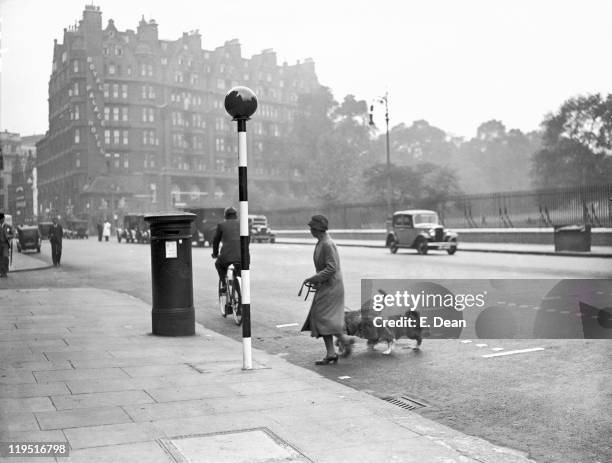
(241, 104)
(385, 100)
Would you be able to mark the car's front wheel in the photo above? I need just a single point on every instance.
(453, 248)
(421, 246)
(393, 247)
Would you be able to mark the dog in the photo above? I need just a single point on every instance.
(361, 323)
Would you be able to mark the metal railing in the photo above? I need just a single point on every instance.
(589, 205)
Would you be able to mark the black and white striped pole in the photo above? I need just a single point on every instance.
(241, 104)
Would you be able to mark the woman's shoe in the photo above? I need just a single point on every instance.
(327, 360)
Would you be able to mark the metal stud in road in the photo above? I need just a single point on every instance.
(241, 104)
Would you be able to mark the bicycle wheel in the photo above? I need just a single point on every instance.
(223, 300)
(236, 301)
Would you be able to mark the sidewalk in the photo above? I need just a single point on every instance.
(80, 365)
(505, 248)
(23, 262)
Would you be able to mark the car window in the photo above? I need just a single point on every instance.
(426, 218)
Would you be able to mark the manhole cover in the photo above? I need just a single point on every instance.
(405, 402)
(258, 445)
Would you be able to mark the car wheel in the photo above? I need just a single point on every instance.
(421, 246)
(453, 249)
(18, 248)
(38, 250)
(393, 247)
(272, 240)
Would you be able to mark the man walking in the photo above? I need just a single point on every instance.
(5, 246)
(56, 233)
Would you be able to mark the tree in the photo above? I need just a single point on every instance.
(577, 143)
(496, 159)
(422, 185)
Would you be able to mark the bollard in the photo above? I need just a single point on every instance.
(173, 313)
(241, 104)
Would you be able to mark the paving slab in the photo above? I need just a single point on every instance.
(112, 434)
(145, 452)
(101, 399)
(81, 417)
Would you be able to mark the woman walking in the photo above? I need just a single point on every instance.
(326, 316)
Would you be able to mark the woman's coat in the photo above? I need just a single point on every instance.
(326, 314)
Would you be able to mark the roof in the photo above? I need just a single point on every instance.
(415, 211)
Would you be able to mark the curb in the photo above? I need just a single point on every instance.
(498, 251)
(30, 269)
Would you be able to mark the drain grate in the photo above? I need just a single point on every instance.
(404, 402)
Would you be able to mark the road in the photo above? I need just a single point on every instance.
(553, 403)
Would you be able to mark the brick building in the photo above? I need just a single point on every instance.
(138, 124)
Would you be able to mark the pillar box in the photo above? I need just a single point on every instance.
(173, 313)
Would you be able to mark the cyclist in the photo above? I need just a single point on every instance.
(228, 235)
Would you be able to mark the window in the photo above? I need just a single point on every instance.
(116, 114)
(112, 70)
(77, 136)
(124, 91)
(75, 90)
(220, 144)
(115, 90)
(151, 92)
(178, 77)
(107, 137)
(105, 51)
(75, 65)
(124, 114)
(106, 113)
(125, 137)
(76, 113)
(64, 57)
(116, 136)
(119, 51)
(77, 160)
(220, 84)
(106, 90)
(164, 61)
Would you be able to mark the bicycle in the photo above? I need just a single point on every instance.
(230, 300)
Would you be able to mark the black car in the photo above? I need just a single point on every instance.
(28, 238)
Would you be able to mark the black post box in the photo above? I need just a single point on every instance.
(173, 313)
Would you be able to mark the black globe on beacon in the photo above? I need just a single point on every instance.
(240, 103)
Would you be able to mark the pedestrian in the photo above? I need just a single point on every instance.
(6, 235)
(100, 229)
(106, 232)
(326, 316)
(56, 233)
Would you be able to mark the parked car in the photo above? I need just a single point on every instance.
(78, 229)
(420, 229)
(28, 238)
(134, 230)
(259, 230)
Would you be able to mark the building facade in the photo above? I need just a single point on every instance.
(137, 124)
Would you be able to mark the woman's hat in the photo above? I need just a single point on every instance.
(318, 222)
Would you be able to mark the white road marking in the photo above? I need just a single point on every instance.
(286, 325)
(511, 304)
(344, 377)
(565, 311)
(512, 352)
(536, 308)
(524, 306)
(496, 349)
(481, 345)
(466, 341)
(501, 302)
(551, 310)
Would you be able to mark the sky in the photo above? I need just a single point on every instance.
(454, 63)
